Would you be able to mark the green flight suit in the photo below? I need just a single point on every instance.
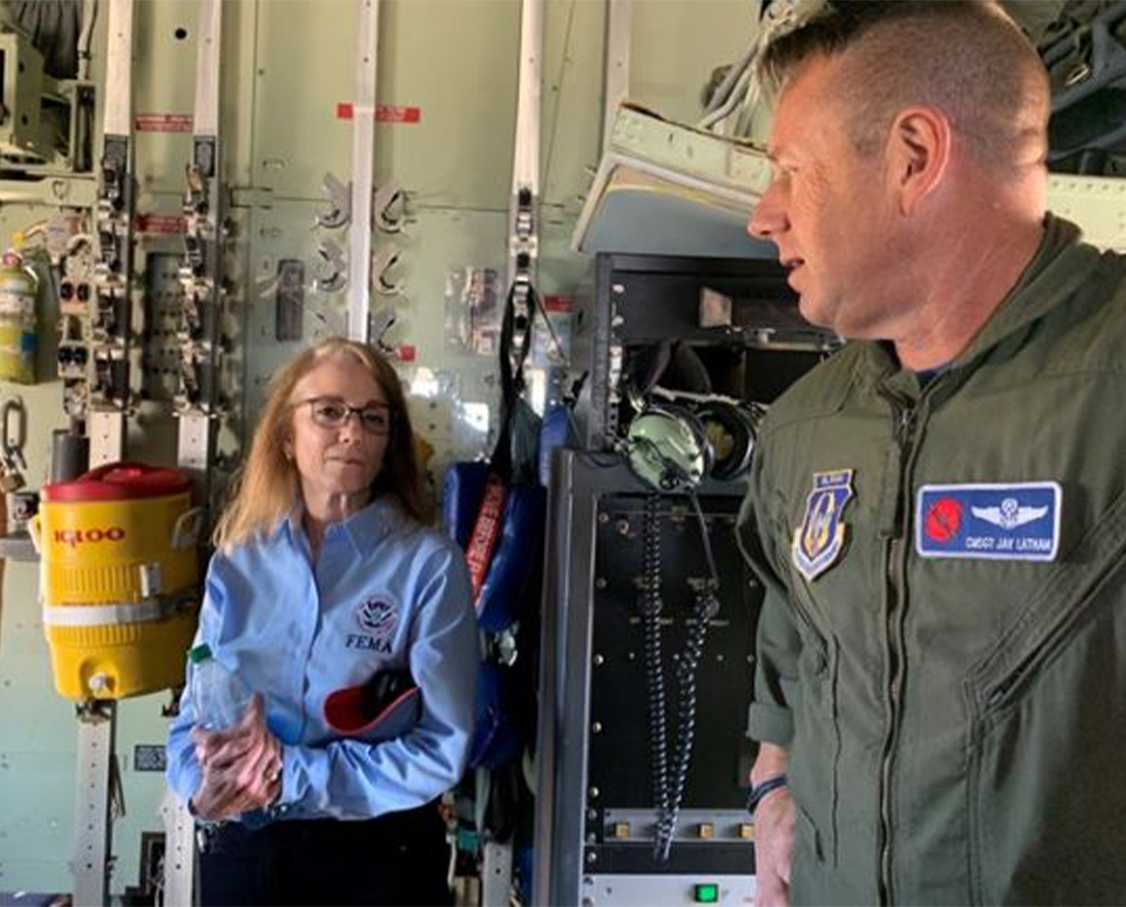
(956, 725)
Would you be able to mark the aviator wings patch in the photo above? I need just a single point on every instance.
(1009, 515)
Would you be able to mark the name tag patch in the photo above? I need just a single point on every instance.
(1015, 522)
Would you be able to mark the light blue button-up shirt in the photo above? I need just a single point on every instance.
(385, 594)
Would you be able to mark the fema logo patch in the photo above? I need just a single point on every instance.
(378, 616)
(991, 521)
(819, 540)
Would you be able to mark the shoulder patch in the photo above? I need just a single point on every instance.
(819, 540)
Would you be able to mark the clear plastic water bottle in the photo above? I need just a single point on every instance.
(219, 697)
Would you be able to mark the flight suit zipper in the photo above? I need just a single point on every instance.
(904, 414)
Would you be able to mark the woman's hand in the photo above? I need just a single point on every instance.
(241, 767)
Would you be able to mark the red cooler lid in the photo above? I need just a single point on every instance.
(118, 482)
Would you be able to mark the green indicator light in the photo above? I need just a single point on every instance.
(707, 894)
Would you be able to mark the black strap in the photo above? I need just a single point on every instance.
(654, 364)
(759, 791)
(512, 373)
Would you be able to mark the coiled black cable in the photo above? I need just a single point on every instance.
(654, 672)
(706, 608)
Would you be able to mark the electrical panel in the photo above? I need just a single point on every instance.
(599, 808)
(650, 610)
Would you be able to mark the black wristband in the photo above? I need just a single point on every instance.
(761, 790)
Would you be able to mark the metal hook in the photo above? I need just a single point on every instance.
(384, 260)
(339, 211)
(390, 207)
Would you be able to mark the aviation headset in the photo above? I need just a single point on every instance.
(673, 446)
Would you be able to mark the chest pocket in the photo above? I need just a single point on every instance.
(1043, 704)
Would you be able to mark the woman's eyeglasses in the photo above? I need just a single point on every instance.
(329, 412)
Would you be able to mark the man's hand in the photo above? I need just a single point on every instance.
(241, 767)
(774, 830)
(774, 848)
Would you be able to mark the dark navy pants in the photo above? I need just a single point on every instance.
(399, 858)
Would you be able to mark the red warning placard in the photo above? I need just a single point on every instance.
(163, 224)
(163, 122)
(384, 113)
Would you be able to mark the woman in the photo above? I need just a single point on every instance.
(330, 599)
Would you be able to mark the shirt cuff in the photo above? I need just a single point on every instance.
(771, 723)
(289, 794)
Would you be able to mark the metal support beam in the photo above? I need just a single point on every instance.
(523, 237)
(203, 272)
(119, 68)
(524, 204)
(112, 305)
(358, 322)
(107, 437)
(552, 677)
(200, 331)
(108, 400)
(93, 823)
(619, 27)
(179, 851)
(496, 875)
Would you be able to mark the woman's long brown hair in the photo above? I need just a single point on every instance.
(267, 487)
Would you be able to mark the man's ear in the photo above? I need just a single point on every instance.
(918, 154)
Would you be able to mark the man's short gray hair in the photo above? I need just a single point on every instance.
(966, 58)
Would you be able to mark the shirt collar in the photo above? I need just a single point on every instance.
(363, 530)
(1061, 263)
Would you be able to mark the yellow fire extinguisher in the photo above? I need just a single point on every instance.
(19, 340)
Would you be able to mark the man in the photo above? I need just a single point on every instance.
(938, 512)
